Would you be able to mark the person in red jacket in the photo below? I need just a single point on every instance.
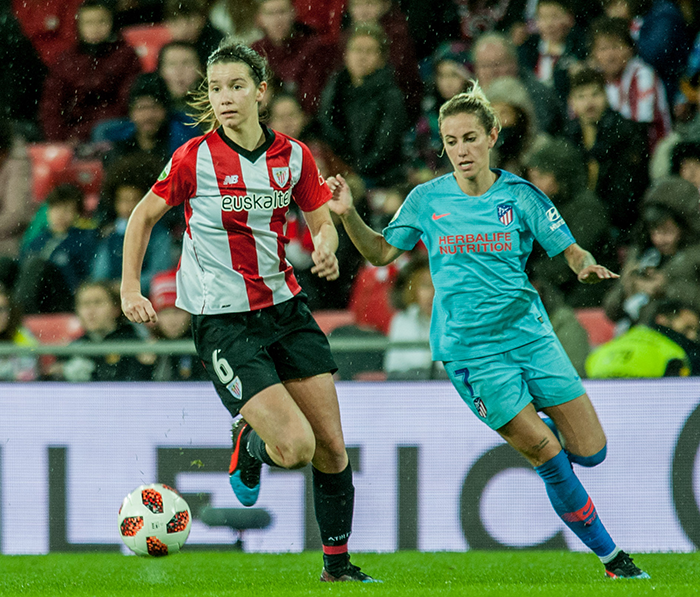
(299, 57)
(89, 82)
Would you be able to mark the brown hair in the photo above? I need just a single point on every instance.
(227, 52)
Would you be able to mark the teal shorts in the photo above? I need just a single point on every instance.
(497, 387)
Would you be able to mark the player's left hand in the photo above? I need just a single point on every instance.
(325, 264)
(592, 274)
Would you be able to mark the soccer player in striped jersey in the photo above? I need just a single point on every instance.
(488, 323)
(253, 331)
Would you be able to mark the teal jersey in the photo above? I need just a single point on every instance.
(478, 248)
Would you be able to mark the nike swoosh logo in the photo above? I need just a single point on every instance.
(437, 217)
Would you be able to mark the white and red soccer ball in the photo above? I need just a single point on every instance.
(154, 520)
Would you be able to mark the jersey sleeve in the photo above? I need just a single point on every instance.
(311, 191)
(404, 232)
(177, 181)
(544, 220)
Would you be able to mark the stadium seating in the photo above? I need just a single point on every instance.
(147, 40)
(329, 319)
(50, 163)
(594, 320)
(53, 328)
(370, 297)
(88, 175)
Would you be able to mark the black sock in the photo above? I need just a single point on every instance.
(256, 448)
(334, 499)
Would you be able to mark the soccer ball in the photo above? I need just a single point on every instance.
(154, 520)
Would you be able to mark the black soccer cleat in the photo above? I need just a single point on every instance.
(346, 573)
(622, 566)
(244, 471)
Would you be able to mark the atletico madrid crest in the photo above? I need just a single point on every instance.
(505, 214)
(480, 407)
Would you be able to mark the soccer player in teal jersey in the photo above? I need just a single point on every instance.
(488, 324)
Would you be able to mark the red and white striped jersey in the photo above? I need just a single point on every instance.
(640, 96)
(236, 201)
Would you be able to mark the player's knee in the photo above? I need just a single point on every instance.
(296, 452)
(590, 461)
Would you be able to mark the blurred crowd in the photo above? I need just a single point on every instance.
(599, 102)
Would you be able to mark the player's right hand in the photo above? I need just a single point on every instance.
(138, 308)
(342, 201)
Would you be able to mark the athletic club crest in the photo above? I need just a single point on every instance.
(236, 388)
(480, 407)
(281, 176)
(505, 214)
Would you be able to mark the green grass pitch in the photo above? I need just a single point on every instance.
(408, 574)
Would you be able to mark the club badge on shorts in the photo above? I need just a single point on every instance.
(236, 388)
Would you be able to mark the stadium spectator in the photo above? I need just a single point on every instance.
(287, 117)
(267, 358)
(91, 80)
(667, 347)
(21, 76)
(322, 16)
(558, 47)
(298, 57)
(660, 33)
(173, 324)
(15, 189)
(519, 135)
(412, 295)
(15, 368)
(478, 17)
(127, 181)
(685, 130)
(430, 24)
(50, 25)
(179, 66)
(632, 86)
(664, 258)
(494, 56)
(152, 129)
(236, 19)
(362, 115)
(97, 308)
(556, 169)
(685, 162)
(187, 21)
(59, 258)
(401, 55)
(614, 148)
(450, 75)
(489, 326)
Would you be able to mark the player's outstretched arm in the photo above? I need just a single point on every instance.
(371, 244)
(585, 267)
(150, 209)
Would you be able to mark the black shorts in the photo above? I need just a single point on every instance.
(244, 353)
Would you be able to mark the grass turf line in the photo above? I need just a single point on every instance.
(408, 574)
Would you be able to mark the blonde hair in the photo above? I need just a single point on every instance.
(473, 101)
(228, 51)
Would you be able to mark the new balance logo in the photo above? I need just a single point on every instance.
(437, 217)
(231, 179)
